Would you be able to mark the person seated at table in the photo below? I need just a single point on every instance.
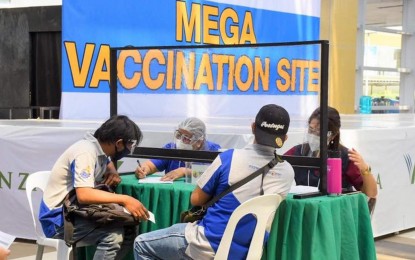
(189, 135)
(355, 171)
(200, 239)
(83, 165)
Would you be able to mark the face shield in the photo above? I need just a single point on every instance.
(131, 145)
(184, 140)
(189, 133)
(311, 141)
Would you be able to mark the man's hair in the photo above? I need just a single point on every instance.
(118, 127)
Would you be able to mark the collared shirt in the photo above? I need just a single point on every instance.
(170, 165)
(227, 169)
(83, 164)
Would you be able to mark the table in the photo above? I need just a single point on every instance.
(314, 228)
(322, 228)
(166, 201)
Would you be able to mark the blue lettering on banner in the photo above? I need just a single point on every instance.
(88, 36)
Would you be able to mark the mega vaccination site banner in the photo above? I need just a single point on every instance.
(207, 82)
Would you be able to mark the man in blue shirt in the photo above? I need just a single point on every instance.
(201, 239)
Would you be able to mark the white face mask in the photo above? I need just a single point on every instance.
(314, 142)
(183, 146)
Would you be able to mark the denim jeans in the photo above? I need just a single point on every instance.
(113, 242)
(169, 243)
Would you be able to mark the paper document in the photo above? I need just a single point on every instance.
(151, 218)
(300, 189)
(153, 180)
(6, 240)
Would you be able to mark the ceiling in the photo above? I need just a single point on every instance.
(384, 13)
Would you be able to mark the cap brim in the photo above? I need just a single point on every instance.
(268, 139)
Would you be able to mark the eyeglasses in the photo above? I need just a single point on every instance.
(185, 139)
(316, 131)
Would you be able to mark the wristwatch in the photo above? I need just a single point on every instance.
(367, 171)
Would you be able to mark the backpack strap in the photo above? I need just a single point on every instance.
(263, 170)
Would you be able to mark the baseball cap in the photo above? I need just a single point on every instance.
(271, 125)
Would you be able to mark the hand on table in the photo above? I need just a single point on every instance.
(175, 174)
(141, 172)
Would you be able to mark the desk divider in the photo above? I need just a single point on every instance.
(209, 156)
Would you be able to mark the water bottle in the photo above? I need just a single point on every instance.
(197, 170)
(188, 173)
(334, 173)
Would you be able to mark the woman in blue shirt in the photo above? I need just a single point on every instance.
(189, 135)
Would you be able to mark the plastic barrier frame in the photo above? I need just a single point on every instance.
(301, 162)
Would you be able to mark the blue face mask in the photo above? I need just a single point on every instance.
(118, 155)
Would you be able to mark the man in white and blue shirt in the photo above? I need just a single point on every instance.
(83, 165)
(200, 240)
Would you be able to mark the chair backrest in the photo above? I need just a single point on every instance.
(261, 207)
(37, 180)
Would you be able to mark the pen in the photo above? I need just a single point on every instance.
(139, 164)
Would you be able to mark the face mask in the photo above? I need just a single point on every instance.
(183, 146)
(118, 155)
(314, 142)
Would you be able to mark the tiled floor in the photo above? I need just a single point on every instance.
(394, 247)
(401, 246)
(26, 250)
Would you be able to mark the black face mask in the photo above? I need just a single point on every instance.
(118, 155)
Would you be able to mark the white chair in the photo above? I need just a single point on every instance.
(262, 207)
(39, 180)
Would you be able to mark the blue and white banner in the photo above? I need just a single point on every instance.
(208, 82)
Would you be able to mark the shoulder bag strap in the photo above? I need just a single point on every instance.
(247, 179)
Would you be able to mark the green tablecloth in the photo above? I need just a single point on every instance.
(314, 228)
(166, 201)
(322, 228)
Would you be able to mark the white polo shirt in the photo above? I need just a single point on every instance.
(83, 164)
